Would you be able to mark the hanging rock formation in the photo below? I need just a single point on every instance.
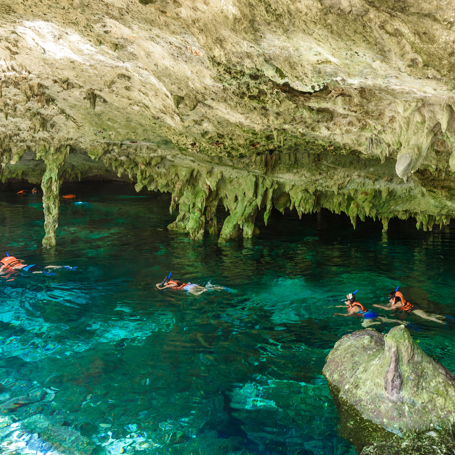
(338, 104)
(50, 184)
(391, 397)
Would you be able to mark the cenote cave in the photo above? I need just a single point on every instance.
(190, 189)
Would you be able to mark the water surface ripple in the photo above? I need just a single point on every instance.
(97, 361)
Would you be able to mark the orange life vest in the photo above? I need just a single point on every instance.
(407, 306)
(176, 284)
(353, 304)
(10, 261)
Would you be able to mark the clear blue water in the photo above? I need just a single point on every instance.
(98, 361)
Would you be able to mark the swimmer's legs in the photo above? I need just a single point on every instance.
(393, 320)
(216, 288)
(197, 290)
(368, 322)
(429, 317)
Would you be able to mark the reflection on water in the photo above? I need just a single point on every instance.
(97, 361)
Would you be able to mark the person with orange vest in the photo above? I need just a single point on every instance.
(10, 265)
(398, 302)
(354, 308)
(191, 288)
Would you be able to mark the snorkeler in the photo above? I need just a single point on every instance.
(353, 307)
(398, 302)
(22, 192)
(192, 288)
(10, 265)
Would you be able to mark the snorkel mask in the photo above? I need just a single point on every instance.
(166, 279)
(350, 297)
(391, 296)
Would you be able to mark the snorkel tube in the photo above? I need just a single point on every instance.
(398, 287)
(165, 280)
(7, 255)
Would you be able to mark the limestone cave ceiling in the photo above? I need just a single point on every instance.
(253, 104)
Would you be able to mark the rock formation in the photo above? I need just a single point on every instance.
(391, 397)
(252, 104)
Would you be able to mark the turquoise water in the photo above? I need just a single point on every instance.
(98, 361)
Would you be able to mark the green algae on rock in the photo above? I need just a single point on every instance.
(372, 439)
(50, 184)
(392, 392)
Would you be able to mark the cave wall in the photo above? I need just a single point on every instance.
(253, 104)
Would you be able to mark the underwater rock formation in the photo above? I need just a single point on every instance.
(391, 397)
(338, 104)
(48, 435)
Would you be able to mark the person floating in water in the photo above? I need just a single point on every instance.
(191, 288)
(398, 302)
(355, 308)
(10, 265)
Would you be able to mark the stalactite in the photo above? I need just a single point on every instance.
(385, 224)
(54, 159)
(191, 216)
(353, 212)
(198, 189)
(242, 218)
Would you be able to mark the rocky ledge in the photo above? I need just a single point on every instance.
(252, 104)
(391, 397)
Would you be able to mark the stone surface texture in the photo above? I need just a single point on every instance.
(393, 385)
(253, 104)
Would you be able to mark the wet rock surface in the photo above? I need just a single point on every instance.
(391, 397)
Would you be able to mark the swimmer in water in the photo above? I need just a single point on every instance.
(191, 288)
(355, 308)
(10, 265)
(398, 302)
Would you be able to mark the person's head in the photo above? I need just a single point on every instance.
(350, 298)
(391, 296)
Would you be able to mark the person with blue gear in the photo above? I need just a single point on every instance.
(355, 308)
(10, 265)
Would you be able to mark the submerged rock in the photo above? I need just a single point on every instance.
(391, 397)
(45, 436)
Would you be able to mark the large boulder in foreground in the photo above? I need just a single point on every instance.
(392, 398)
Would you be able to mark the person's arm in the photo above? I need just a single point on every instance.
(350, 312)
(399, 304)
(165, 286)
(388, 308)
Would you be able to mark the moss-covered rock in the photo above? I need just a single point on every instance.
(390, 394)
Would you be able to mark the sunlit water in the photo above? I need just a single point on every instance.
(98, 361)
